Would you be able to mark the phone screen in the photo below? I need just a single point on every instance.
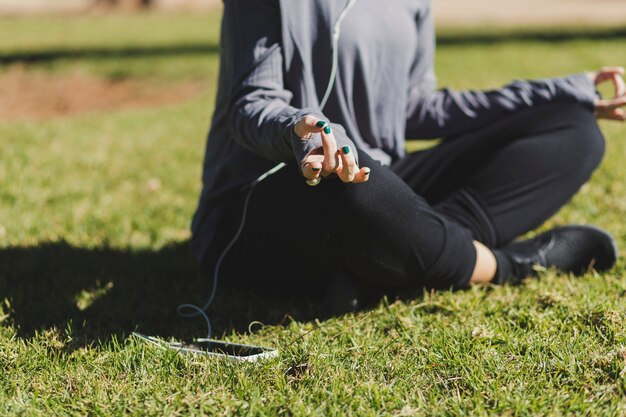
(223, 348)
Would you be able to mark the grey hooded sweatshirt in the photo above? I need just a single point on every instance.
(275, 66)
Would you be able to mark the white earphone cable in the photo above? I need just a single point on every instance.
(201, 311)
(334, 51)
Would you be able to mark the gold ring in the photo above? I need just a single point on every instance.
(314, 181)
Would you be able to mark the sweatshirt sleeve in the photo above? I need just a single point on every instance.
(435, 113)
(260, 117)
(446, 113)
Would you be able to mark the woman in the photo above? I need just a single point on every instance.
(440, 218)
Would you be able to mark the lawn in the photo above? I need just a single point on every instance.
(94, 214)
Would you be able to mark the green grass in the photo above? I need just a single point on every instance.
(115, 46)
(108, 32)
(91, 249)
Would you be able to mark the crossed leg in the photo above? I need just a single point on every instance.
(426, 221)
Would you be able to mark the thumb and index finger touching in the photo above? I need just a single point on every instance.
(312, 164)
(612, 108)
(616, 76)
(332, 160)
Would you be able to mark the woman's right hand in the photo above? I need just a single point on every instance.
(327, 160)
(612, 108)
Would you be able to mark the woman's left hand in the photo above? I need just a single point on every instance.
(327, 160)
(611, 108)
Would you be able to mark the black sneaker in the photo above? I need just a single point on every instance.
(570, 249)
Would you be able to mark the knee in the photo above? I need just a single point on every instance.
(585, 141)
(388, 235)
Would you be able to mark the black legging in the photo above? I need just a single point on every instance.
(412, 224)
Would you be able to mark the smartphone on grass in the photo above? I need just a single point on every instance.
(233, 352)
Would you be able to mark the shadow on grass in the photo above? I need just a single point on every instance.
(102, 293)
(55, 54)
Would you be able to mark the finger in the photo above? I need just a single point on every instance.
(620, 86)
(607, 73)
(312, 170)
(615, 74)
(614, 70)
(362, 176)
(616, 102)
(348, 168)
(617, 114)
(307, 125)
(330, 151)
(610, 104)
(612, 109)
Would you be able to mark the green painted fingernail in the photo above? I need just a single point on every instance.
(346, 150)
(316, 169)
(327, 130)
(320, 123)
